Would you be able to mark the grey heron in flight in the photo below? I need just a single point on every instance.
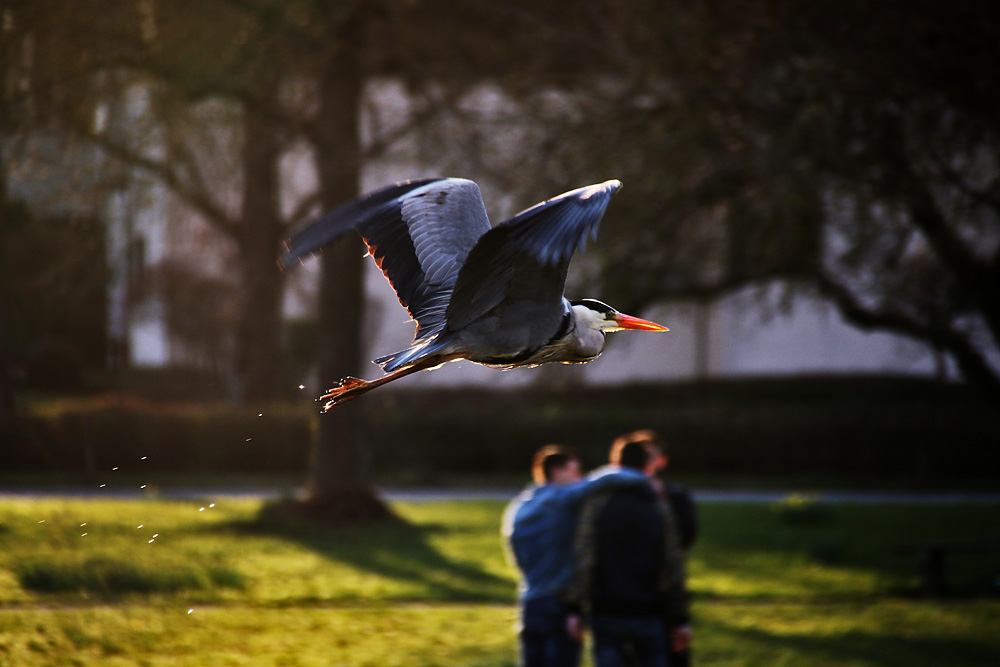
(492, 295)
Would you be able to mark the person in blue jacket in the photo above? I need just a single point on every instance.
(538, 527)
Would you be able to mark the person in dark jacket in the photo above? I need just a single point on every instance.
(684, 513)
(677, 497)
(629, 571)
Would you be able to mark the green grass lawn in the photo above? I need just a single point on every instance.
(219, 582)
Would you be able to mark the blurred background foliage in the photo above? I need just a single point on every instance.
(843, 150)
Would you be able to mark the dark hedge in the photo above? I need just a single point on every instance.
(87, 435)
(903, 428)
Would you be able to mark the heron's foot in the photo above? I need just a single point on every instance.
(346, 389)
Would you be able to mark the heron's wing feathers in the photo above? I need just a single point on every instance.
(419, 233)
(553, 229)
(526, 258)
(325, 230)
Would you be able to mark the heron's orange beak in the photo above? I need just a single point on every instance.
(629, 322)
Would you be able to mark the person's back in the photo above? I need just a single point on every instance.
(629, 572)
(540, 538)
(629, 556)
(684, 515)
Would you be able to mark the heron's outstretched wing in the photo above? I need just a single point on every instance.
(331, 226)
(525, 259)
(419, 233)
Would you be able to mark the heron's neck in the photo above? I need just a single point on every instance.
(586, 341)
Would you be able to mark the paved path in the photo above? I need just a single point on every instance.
(487, 493)
(725, 496)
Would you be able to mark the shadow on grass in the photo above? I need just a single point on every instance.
(850, 538)
(870, 648)
(113, 576)
(390, 547)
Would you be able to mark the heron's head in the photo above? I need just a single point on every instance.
(602, 317)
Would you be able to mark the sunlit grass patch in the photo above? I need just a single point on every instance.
(59, 547)
(730, 634)
(878, 632)
(434, 587)
(438, 552)
(181, 636)
(435, 552)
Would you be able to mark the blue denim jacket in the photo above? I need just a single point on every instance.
(539, 525)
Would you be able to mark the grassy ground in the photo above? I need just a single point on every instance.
(219, 582)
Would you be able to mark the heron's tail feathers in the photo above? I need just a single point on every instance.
(410, 355)
(391, 362)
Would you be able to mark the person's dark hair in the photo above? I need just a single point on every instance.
(548, 459)
(644, 435)
(631, 454)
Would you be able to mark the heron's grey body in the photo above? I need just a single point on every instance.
(492, 295)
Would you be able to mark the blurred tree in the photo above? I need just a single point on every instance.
(54, 297)
(439, 49)
(848, 150)
(204, 129)
(199, 313)
(52, 253)
(292, 71)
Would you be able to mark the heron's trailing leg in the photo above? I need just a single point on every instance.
(346, 389)
(352, 387)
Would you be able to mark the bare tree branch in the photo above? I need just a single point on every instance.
(195, 197)
(971, 361)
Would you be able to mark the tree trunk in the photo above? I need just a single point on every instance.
(259, 235)
(6, 376)
(339, 490)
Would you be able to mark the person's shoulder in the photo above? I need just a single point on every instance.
(525, 498)
(598, 475)
(542, 494)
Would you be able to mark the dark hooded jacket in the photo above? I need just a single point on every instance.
(628, 557)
